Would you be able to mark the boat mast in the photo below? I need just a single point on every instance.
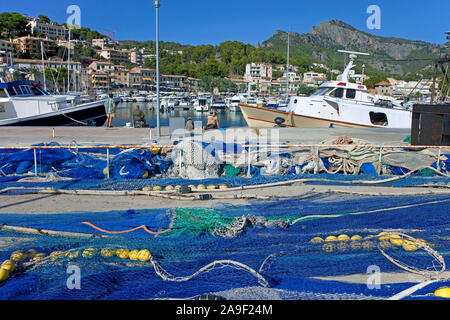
(68, 63)
(287, 69)
(43, 66)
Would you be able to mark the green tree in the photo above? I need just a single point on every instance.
(13, 25)
(44, 18)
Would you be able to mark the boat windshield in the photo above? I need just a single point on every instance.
(322, 92)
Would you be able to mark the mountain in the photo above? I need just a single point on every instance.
(388, 55)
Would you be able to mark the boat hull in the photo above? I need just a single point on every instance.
(258, 117)
(92, 114)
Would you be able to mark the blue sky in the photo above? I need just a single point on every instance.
(214, 21)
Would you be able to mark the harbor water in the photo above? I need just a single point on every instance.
(124, 114)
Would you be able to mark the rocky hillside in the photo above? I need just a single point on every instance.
(388, 55)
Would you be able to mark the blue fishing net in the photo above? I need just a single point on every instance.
(271, 243)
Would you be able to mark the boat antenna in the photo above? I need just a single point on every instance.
(287, 67)
(352, 55)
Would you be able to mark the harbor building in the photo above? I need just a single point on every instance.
(30, 45)
(258, 72)
(6, 48)
(51, 30)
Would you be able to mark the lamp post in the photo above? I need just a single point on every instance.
(158, 103)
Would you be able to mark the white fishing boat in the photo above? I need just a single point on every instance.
(23, 103)
(336, 103)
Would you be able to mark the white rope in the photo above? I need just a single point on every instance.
(218, 263)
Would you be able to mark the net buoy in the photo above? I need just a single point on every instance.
(134, 254)
(55, 255)
(201, 187)
(18, 256)
(73, 254)
(356, 238)
(368, 245)
(328, 247)
(8, 265)
(355, 245)
(330, 239)
(409, 246)
(4, 274)
(443, 292)
(38, 257)
(384, 236)
(169, 188)
(31, 252)
(146, 189)
(223, 186)
(144, 255)
(107, 253)
(105, 171)
(88, 253)
(211, 187)
(157, 188)
(395, 239)
(177, 187)
(123, 253)
(145, 175)
(343, 237)
(316, 240)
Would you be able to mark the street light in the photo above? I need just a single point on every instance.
(158, 128)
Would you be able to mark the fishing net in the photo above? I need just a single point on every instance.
(305, 247)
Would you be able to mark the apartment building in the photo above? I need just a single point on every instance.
(52, 30)
(312, 79)
(6, 48)
(30, 45)
(258, 72)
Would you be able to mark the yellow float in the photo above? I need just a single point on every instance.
(395, 239)
(443, 292)
(133, 255)
(356, 238)
(107, 253)
(330, 239)
(8, 265)
(343, 237)
(157, 188)
(4, 274)
(316, 240)
(144, 255)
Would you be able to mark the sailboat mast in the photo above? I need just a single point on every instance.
(287, 69)
(43, 66)
(68, 64)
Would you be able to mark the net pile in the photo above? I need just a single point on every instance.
(296, 248)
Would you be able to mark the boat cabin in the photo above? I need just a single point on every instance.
(21, 89)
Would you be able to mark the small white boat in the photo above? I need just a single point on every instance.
(201, 105)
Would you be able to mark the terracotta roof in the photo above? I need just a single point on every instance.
(383, 83)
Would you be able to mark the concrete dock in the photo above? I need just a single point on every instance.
(26, 136)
